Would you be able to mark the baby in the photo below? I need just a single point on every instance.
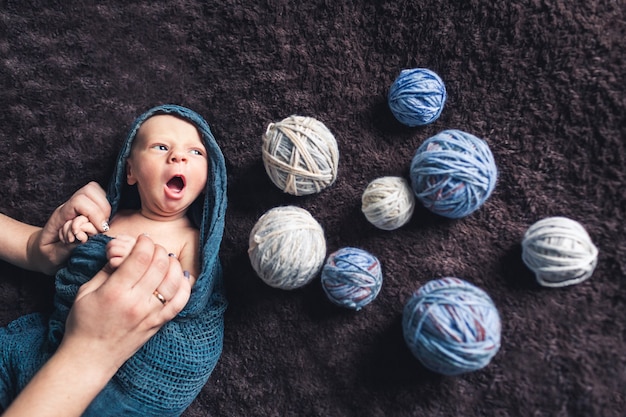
(168, 166)
(170, 182)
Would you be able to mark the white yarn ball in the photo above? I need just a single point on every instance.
(559, 251)
(287, 247)
(300, 155)
(388, 202)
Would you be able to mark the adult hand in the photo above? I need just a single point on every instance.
(113, 316)
(46, 251)
(121, 310)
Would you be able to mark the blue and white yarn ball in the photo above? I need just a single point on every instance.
(559, 251)
(453, 173)
(451, 326)
(417, 97)
(352, 278)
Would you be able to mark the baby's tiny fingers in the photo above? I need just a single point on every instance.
(65, 233)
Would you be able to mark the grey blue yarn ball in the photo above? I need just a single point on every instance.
(417, 97)
(352, 278)
(453, 173)
(451, 326)
(300, 155)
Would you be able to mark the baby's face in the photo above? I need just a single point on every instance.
(168, 162)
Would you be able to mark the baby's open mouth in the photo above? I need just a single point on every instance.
(176, 184)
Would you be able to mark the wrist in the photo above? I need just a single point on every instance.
(35, 258)
(87, 357)
(65, 385)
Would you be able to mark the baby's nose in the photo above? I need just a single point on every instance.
(176, 156)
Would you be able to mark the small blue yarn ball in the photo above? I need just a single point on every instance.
(453, 173)
(451, 326)
(352, 278)
(417, 97)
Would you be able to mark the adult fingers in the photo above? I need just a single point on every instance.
(146, 265)
(91, 202)
(156, 271)
(176, 288)
(101, 278)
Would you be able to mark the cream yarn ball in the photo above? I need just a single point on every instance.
(388, 202)
(300, 155)
(559, 251)
(287, 247)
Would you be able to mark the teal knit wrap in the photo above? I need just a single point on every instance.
(168, 372)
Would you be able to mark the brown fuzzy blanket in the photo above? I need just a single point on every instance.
(541, 81)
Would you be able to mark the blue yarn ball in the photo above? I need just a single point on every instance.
(352, 278)
(417, 97)
(451, 326)
(453, 173)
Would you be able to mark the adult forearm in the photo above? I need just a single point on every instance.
(65, 386)
(14, 241)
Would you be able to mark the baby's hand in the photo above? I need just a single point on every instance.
(119, 248)
(77, 230)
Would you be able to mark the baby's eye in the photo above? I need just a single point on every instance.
(197, 152)
(160, 147)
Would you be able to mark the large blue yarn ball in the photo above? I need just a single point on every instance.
(417, 97)
(451, 326)
(352, 277)
(453, 173)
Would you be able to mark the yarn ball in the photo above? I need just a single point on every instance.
(559, 251)
(417, 97)
(451, 326)
(352, 278)
(388, 202)
(287, 247)
(300, 155)
(453, 173)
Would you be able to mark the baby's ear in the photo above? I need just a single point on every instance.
(130, 178)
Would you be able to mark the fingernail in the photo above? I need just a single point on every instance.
(105, 226)
(186, 274)
(173, 255)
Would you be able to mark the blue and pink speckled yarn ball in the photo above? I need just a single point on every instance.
(451, 326)
(453, 173)
(352, 278)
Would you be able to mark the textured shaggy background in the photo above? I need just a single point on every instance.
(541, 80)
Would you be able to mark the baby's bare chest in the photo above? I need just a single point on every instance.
(171, 235)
